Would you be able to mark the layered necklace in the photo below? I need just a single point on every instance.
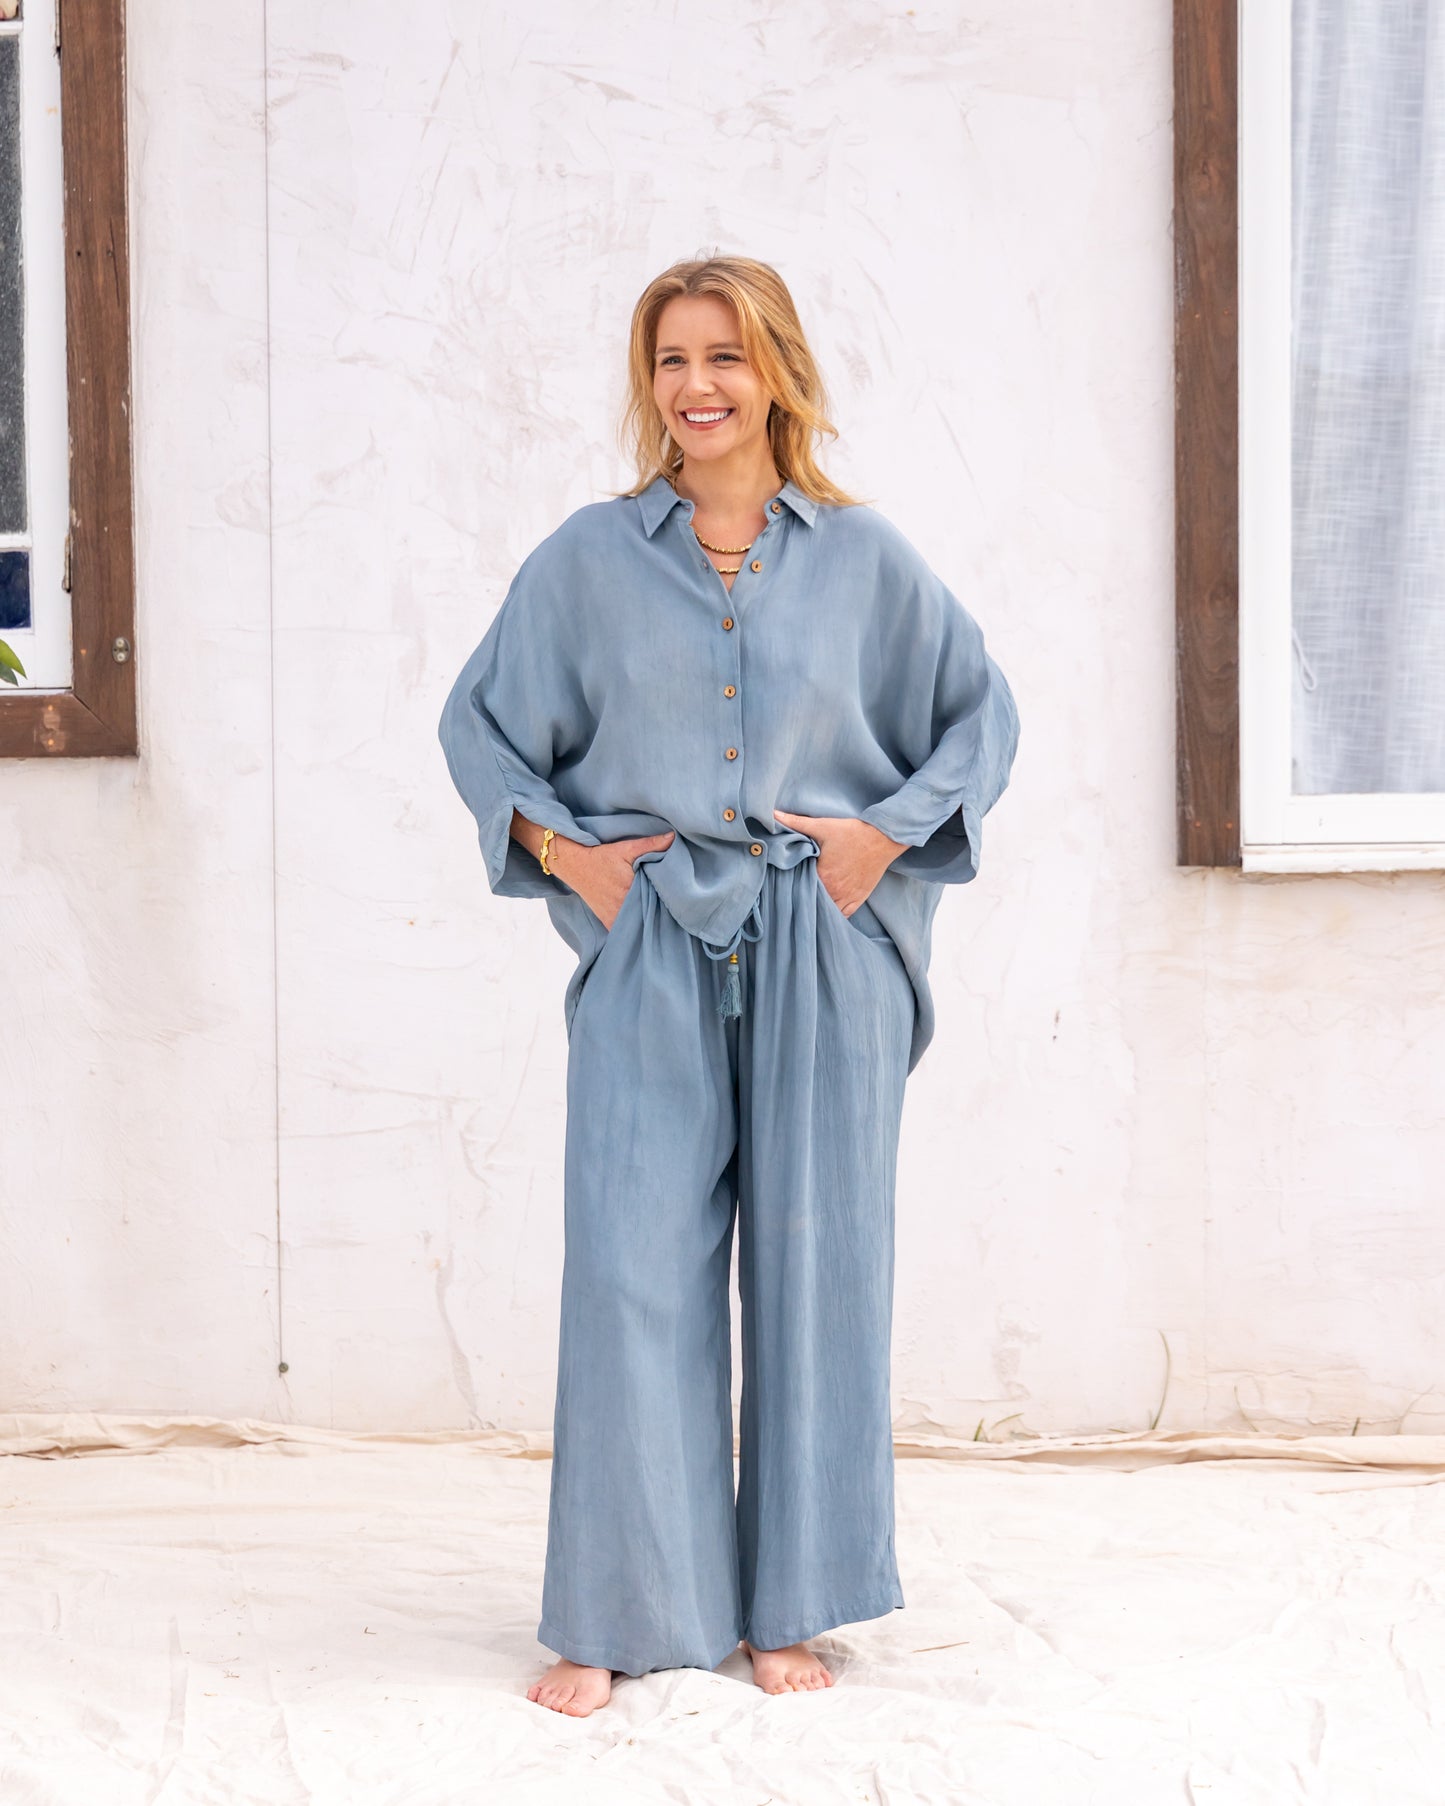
(724, 570)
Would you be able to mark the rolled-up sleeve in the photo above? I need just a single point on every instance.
(512, 711)
(958, 728)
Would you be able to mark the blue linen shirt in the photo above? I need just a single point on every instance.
(622, 689)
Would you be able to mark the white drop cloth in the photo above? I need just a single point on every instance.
(199, 1613)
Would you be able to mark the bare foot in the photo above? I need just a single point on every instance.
(792, 1670)
(572, 1688)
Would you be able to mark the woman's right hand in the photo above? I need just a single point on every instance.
(602, 875)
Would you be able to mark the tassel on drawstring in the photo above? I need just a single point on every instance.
(732, 997)
(731, 1002)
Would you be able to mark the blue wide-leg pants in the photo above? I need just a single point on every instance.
(680, 1121)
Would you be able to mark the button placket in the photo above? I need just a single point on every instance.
(732, 753)
(730, 623)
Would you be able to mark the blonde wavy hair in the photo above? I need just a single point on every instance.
(773, 338)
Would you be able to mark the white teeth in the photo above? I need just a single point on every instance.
(702, 419)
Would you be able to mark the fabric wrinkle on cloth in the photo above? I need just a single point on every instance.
(623, 690)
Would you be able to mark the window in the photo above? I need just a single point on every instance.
(1310, 450)
(34, 609)
(66, 558)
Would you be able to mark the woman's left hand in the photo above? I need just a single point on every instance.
(852, 855)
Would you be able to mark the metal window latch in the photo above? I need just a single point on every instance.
(120, 649)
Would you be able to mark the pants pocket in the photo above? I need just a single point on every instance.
(868, 925)
(863, 920)
(626, 900)
(601, 937)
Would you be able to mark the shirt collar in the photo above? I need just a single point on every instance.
(659, 498)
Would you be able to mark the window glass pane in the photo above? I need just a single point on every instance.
(1368, 395)
(15, 589)
(12, 318)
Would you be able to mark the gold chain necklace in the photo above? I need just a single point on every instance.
(726, 551)
(724, 570)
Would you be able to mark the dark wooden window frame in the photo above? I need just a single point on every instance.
(97, 715)
(1206, 432)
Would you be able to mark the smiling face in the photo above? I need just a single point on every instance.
(708, 394)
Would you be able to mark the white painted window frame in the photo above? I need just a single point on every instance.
(1282, 832)
(44, 647)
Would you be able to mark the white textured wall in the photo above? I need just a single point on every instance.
(257, 976)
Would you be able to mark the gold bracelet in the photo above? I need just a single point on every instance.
(542, 855)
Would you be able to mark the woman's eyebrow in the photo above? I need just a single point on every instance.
(722, 345)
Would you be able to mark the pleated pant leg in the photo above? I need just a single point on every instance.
(681, 1122)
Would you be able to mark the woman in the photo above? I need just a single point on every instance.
(738, 734)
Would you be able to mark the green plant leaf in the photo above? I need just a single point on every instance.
(9, 664)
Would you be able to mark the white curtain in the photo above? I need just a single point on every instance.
(1369, 395)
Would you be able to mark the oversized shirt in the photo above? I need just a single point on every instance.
(622, 689)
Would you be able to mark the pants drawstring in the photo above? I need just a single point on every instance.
(732, 997)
